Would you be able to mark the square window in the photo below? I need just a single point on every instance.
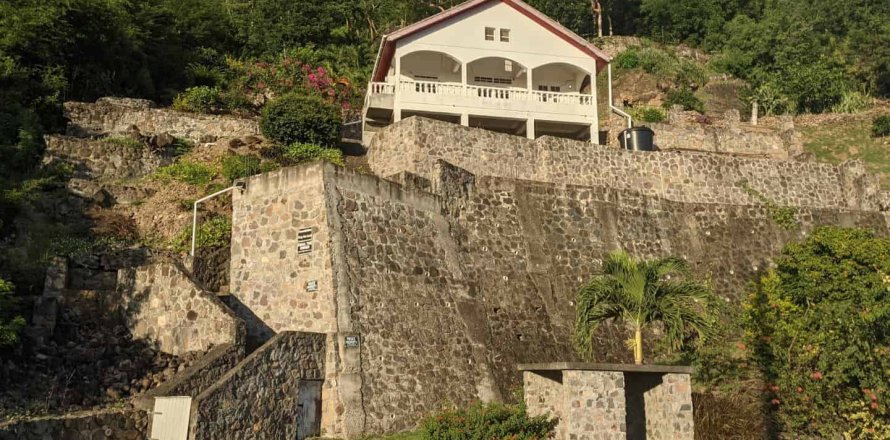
(489, 34)
(505, 35)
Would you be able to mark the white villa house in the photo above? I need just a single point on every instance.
(494, 64)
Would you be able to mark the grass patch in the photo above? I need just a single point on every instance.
(188, 172)
(838, 141)
(123, 141)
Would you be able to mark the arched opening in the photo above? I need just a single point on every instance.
(432, 66)
(561, 78)
(497, 72)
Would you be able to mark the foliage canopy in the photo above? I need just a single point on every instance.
(819, 327)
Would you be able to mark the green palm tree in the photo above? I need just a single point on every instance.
(641, 294)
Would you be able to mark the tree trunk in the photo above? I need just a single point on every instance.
(638, 346)
(597, 9)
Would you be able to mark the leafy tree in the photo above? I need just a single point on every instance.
(643, 294)
(819, 327)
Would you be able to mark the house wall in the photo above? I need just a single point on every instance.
(530, 46)
(430, 64)
(463, 37)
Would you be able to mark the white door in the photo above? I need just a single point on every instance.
(170, 420)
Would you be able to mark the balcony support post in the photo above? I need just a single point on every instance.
(530, 128)
(465, 119)
(397, 98)
(594, 134)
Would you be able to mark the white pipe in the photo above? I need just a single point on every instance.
(195, 215)
(630, 122)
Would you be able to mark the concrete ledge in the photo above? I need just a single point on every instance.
(627, 368)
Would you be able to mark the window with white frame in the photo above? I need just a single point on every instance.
(505, 35)
(489, 34)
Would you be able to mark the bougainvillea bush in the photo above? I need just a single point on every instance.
(819, 327)
(249, 84)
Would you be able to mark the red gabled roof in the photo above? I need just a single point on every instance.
(388, 45)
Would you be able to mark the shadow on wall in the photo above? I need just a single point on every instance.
(258, 332)
(636, 387)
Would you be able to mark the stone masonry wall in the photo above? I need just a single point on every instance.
(752, 141)
(258, 398)
(444, 293)
(596, 406)
(449, 294)
(118, 424)
(164, 305)
(97, 158)
(197, 377)
(269, 274)
(114, 115)
(414, 145)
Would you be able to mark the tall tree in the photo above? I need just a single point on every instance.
(642, 294)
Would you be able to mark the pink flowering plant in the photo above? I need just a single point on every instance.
(260, 81)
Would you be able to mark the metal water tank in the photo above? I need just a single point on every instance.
(637, 139)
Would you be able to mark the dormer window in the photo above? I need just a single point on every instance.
(489, 34)
(505, 35)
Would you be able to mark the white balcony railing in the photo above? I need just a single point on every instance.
(378, 88)
(481, 92)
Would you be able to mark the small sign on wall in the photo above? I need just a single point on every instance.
(352, 341)
(304, 241)
(312, 285)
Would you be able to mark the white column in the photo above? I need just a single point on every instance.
(530, 128)
(465, 119)
(463, 74)
(396, 99)
(594, 134)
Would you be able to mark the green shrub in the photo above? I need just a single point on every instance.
(627, 59)
(648, 114)
(881, 126)
(493, 421)
(11, 323)
(684, 98)
(239, 167)
(299, 153)
(819, 329)
(200, 99)
(214, 232)
(181, 146)
(188, 172)
(852, 102)
(301, 118)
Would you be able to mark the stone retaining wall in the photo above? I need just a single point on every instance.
(166, 306)
(115, 115)
(258, 398)
(442, 294)
(414, 145)
(98, 158)
(118, 424)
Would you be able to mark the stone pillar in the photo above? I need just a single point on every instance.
(596, 407)
(669, 409)
(530, 128)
